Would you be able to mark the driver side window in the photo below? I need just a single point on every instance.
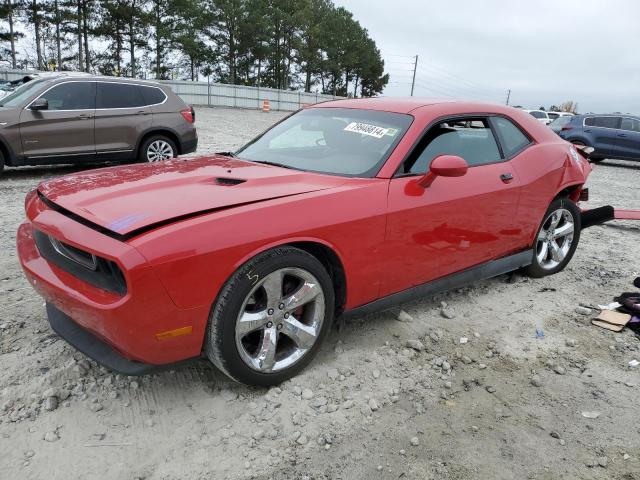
(471, 139)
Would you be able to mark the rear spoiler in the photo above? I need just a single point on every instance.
(584, 151)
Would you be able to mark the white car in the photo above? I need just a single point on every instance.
(554, 115)
(540, 115)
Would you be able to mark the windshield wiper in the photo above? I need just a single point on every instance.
(275, 164)
(226, 154)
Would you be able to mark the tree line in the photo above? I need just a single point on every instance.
(286, 44)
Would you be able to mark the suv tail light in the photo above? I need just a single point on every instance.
(566, 128)
(189, 114)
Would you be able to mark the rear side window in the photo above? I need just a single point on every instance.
(118, 95)
(604, 122)
(71, 96)
(553, 116)
(511, 137)
(630, 124)
(470, 139)
(152, 95)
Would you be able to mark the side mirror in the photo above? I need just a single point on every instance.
(39, 104)
(444, 166)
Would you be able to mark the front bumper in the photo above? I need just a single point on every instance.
(99, 350)
(133, 325)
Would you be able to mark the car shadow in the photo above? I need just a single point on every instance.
(619, 164)
(42, 172)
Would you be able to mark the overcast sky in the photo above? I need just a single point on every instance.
(545, 51)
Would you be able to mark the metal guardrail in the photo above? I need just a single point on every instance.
(223, 95)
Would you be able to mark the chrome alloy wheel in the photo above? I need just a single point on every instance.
(280, 319)
(555, 238)
(158, 151)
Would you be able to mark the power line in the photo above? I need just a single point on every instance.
(413, 81)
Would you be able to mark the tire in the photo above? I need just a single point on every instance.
(548, 259)
(242, 350)
(1, 162)
(159, 147)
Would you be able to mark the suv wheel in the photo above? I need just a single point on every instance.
(1, 162)
(158, 148)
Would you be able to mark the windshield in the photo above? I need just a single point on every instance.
(339, 141)
(21, 93)
(560, 121)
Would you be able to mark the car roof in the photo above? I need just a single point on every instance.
(88, 76)
(387, 104)
(629, 115)
(409, 104)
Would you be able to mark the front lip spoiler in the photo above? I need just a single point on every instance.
(100, 351)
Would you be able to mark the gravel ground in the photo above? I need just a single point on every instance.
(407, 393)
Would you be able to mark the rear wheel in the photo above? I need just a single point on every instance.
(157, 148)
(1, 162)
(271, 317)
(556, 240)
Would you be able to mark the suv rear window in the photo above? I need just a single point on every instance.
(118, 95)
(537, 114)
(152, 95)
(604, 122)
(631, 124)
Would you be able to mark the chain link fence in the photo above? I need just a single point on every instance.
(223, 95)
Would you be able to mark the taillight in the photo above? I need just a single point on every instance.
(566, 128)
(189, 114)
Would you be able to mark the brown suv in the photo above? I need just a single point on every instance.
(86, 119)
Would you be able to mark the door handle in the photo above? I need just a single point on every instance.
(587, 131)
(622, 134)
(142, 112)
(506, 177)
(84, 116)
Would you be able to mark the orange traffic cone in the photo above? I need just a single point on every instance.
(265, 106)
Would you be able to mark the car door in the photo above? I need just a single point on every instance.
(65, 128)
(604, 132)
(121, 117)
(455, 223)
(629, 137)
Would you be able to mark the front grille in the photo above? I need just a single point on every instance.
(97, 271)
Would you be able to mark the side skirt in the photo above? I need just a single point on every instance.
(483, 271)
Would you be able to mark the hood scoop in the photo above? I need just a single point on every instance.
(229, 182)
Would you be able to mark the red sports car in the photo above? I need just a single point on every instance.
(340, 208)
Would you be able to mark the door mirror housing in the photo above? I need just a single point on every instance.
(444, 166)
(39, 104)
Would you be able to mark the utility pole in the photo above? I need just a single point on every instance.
(508, 96)
(413, 82)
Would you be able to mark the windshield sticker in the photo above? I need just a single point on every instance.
(366, 129)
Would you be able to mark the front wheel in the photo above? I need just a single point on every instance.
(556, 240)
(271, 317)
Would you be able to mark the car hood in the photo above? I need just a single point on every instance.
(130, 199)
